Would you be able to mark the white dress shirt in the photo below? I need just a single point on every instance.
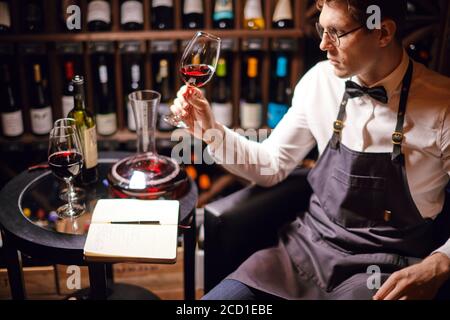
(369, 125)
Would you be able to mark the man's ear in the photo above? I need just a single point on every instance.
(387, 32)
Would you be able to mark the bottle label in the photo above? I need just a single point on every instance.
(164, 110)
(275, 112)
(282, 11)
(89, 137)
(162, 3)
(5, 18)
(193, 6)
(99, 10)
(253, 9)
(41, 120)
(223, 113)
(103, 74)
(12, 123)
(132, 11)
(67, 105)
(106, 124)
(130, 119)
(251, 115)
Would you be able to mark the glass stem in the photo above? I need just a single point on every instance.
(70, 193)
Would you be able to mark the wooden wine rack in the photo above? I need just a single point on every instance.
(305, 15)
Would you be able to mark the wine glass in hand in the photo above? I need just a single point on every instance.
(197, 66)
(65, 159)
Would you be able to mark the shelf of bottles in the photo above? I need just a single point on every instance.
(126, 45)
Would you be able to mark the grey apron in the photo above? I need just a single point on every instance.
(361, 215)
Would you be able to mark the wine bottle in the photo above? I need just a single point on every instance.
(34, 16)
(164, 87)
(162, 14)
(132, 15)
(86, 127)
(41, 111)
(134, 82)
(253, 17)
(12, 120)
(193, 14)
(67, 96)
(282, 15)
(279, 100)
(99, 15)
(221, 97)
(106, 117)
(65, 16)
(5, 18)
(223, 17)
(251, 107)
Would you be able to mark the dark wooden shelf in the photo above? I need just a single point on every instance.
(147, 35)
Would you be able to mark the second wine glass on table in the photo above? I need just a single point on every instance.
(65, 159)
(77, 192)
(198, 65)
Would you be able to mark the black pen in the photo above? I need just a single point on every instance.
(135, 222)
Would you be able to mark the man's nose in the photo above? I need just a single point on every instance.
(326, 44)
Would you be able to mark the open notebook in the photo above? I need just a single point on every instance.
(129, 230)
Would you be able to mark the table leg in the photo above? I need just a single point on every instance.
(189, 238)
(97, 281)
(15, 272)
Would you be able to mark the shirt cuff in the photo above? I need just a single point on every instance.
(445, 249)
(223, 148)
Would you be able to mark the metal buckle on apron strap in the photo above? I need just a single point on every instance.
(387, 215)
(397, 138)
(338, 125)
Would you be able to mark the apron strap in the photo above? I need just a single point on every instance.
(338, 125)
(397, 136)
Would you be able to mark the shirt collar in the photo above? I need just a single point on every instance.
(393, 81)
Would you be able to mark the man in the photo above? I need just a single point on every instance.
(384, 145)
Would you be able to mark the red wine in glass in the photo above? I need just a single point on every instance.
(65, 164)
(197, 75)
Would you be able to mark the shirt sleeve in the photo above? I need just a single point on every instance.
(269, 162)
(444, 141)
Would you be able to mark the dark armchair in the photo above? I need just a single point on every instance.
(245, 221)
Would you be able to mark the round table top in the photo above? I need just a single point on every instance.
(27, 212)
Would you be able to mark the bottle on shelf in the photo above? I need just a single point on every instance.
(131, 15)
(11, 114)
(251, 106)
(282, 15)
(222, 106)
(33, 16)
(5, 18)
(133, 77)
(193, 14)
(99, 15)
(67, 96)
(106, 116)
(253, 15)
(66, 16)
(162, 15)
(223, 17)
(279, 98)
(86, 127)
(40, 111)
(165, 89)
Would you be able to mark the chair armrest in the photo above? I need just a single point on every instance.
(248, 220)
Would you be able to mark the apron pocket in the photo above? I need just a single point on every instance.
(355, 201)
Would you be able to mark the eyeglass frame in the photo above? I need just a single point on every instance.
(336, 42)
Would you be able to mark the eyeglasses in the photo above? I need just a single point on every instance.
(333, 34)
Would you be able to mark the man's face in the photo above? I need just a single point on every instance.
(357, 52)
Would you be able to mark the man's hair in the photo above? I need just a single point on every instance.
(390, 9)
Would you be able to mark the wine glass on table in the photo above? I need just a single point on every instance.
(78, 193)
(198, 65)
(65, 159)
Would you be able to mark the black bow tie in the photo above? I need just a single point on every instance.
(355, 90)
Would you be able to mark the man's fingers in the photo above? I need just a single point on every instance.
(386, 288)
(396, 293)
